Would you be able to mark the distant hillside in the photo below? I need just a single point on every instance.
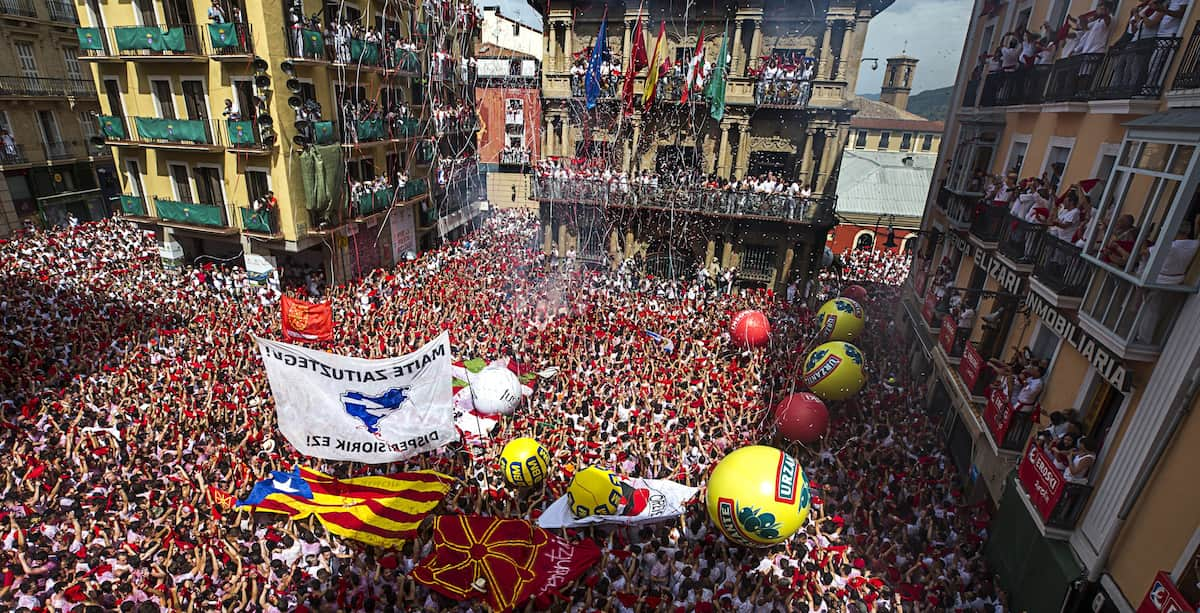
(931, 104)
(874, 97)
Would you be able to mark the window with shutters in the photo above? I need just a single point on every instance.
(71, 59)
(26, 59)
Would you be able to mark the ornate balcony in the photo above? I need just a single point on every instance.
(988, 223)
(1188, 75)
(1059, 269)
(62, 12)
(959, 207)
(19, 86)
(1136, 70)
(1019, 240)
(815, 211)
(1071, 78)
(18, 8)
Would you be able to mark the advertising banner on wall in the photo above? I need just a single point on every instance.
(404, 233)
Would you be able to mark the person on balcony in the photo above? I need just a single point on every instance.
(1080, 461)
(216, 14)
(1066, 221)
(1029, 388)
(1120, 244)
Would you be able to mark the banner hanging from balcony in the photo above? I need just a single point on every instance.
(112, 127)
(323, 132)
(190, 213)
(133, 205)
(174, 130)
(241, 133)
(716, 87)
(223, 35)
(1164, 597)
(149, 38)
(998, 414)
(364, 52)
(314, 43)
(257, 221)
(90, 39)
(1041, 480)
(371, 129)
(407, 60)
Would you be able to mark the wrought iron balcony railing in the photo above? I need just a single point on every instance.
(1136, 70)
(1188, 75)
(1059, 267)
(815, 210)
(20, 85)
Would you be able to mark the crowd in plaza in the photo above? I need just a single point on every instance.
(127, 389)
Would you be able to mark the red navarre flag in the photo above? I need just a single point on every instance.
(503, 562)
(637, 61)
(305, 321)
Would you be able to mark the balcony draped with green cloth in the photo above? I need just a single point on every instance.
(174, 130)
(151, 38)
(190, 213)
(314, 42)
(409, 127)
(257, 221)
(407, 60)
(223, 35)
(90, 39)
(371, 129)
(133, 205)
(112, 127)
(241, 133)
(323, 132)
(364, 52)
(414, 188)
(374, 202)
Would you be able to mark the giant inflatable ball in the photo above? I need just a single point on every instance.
(595, 491)
(495, 391)
(750, 329)
(801, 418)
(840, 319)
(758, 496)
(857, 293)
(524, 462)
(834, 371)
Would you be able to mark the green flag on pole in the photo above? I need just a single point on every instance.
(716, 85)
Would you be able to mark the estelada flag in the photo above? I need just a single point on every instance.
(503, 562)
(305, 321)
(380, 510)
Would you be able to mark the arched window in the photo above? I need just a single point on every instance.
(865, 240)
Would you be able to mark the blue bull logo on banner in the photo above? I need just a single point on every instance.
(370, 409)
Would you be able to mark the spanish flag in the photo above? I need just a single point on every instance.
(652, 74)
(382, 510)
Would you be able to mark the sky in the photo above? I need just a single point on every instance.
(934, 31)
(518, 10)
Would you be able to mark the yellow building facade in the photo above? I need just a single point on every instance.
(1118, 333)
(48, 107)
(213, 116)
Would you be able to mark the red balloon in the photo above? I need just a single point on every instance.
(802, 417)
(857, 293)
(750, 329)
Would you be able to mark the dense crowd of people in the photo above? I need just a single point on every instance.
(127, 389)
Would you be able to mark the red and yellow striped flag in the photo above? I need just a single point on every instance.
(383, 510)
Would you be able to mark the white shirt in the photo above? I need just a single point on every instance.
(1169, 26)
(1070, 221)
(1095, 38)
(1179, 258)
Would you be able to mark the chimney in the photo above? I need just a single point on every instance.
(897, 81)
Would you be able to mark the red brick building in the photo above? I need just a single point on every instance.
(510, 109)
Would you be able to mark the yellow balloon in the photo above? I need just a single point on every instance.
(834, 371)
(758, 496)
(595, 491)
(840, 319)
(524, 462)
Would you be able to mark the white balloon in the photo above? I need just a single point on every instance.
(495, 391)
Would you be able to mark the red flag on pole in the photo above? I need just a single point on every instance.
(305, 321)
(637, 61)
